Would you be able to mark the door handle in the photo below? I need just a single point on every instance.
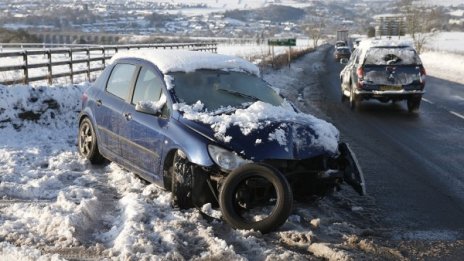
(99, 103)
(127, 115)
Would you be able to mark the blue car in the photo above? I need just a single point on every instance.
(207, 128)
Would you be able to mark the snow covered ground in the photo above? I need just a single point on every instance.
(444, 56)
(253, 51)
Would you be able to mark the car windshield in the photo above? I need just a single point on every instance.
(220, 89)
(391, 56)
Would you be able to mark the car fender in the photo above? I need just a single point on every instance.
(191, 143)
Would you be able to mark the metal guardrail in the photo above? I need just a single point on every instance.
(85, 55)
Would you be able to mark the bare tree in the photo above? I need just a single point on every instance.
(418, 22)
(315, 29)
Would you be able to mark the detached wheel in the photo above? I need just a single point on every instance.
(181, 184)
(414, 104)
(87, 142)
(256, 196)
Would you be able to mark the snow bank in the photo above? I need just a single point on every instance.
(21, 105)
(189, 61)
(444, 65)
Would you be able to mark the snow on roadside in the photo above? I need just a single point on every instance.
(444, 65)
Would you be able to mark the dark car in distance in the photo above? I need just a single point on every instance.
(207, 128)
(342, 52)
(384, 70)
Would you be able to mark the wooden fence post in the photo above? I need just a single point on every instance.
(88, 64)
(70, 52)
(49, 67)
(103, 58)
(26, 68)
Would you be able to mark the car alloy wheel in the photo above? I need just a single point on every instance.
(256, 196)
(87, 142)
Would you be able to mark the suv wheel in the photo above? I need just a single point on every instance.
(87, 142)
(353, 99)
(414, 104)
(256, 196)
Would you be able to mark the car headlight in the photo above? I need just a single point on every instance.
(225, 159)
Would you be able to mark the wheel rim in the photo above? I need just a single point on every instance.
(86, 139)
(255, 199)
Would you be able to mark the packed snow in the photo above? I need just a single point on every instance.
(189, 61)
(257, 116)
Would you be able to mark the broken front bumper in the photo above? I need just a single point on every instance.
(352, 173)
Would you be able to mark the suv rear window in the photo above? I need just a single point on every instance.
(391, 56)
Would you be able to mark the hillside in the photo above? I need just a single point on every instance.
(274, 13)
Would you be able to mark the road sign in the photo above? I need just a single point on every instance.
(282, 42)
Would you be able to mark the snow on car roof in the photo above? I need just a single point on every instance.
(368, 43)
(189, 61)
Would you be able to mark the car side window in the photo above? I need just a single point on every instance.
(120, 80)
(148, 87)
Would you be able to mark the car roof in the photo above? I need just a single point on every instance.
(188, 61)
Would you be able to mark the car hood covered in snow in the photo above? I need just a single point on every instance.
(262, 131)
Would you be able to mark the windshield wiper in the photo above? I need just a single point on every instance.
(236, 93)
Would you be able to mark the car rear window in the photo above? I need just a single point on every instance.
(391, 56)
(343, 50)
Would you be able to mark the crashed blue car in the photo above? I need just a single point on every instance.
(207, 128)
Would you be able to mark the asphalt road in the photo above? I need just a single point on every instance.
(413, 163)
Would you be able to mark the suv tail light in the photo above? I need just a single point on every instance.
(360, 73)
(422, 76)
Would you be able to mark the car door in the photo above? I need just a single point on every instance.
(143, 137)
(110, 107)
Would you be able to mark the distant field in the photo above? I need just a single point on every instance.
(448, 42)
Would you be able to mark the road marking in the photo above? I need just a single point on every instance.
(457, 114)
(427, 101)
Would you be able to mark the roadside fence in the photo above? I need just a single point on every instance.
(25, 63)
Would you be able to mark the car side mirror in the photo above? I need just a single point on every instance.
(148, 108)
(343, 61)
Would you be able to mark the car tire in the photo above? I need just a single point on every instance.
(353, 99)
(87, 142)
(229, 194)
(343, 97)
(413, 104)
(181, 184)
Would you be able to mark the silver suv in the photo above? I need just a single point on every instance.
(386, 71)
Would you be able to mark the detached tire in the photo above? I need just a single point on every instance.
(181, 184)
(228, 197)
(87, 142)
